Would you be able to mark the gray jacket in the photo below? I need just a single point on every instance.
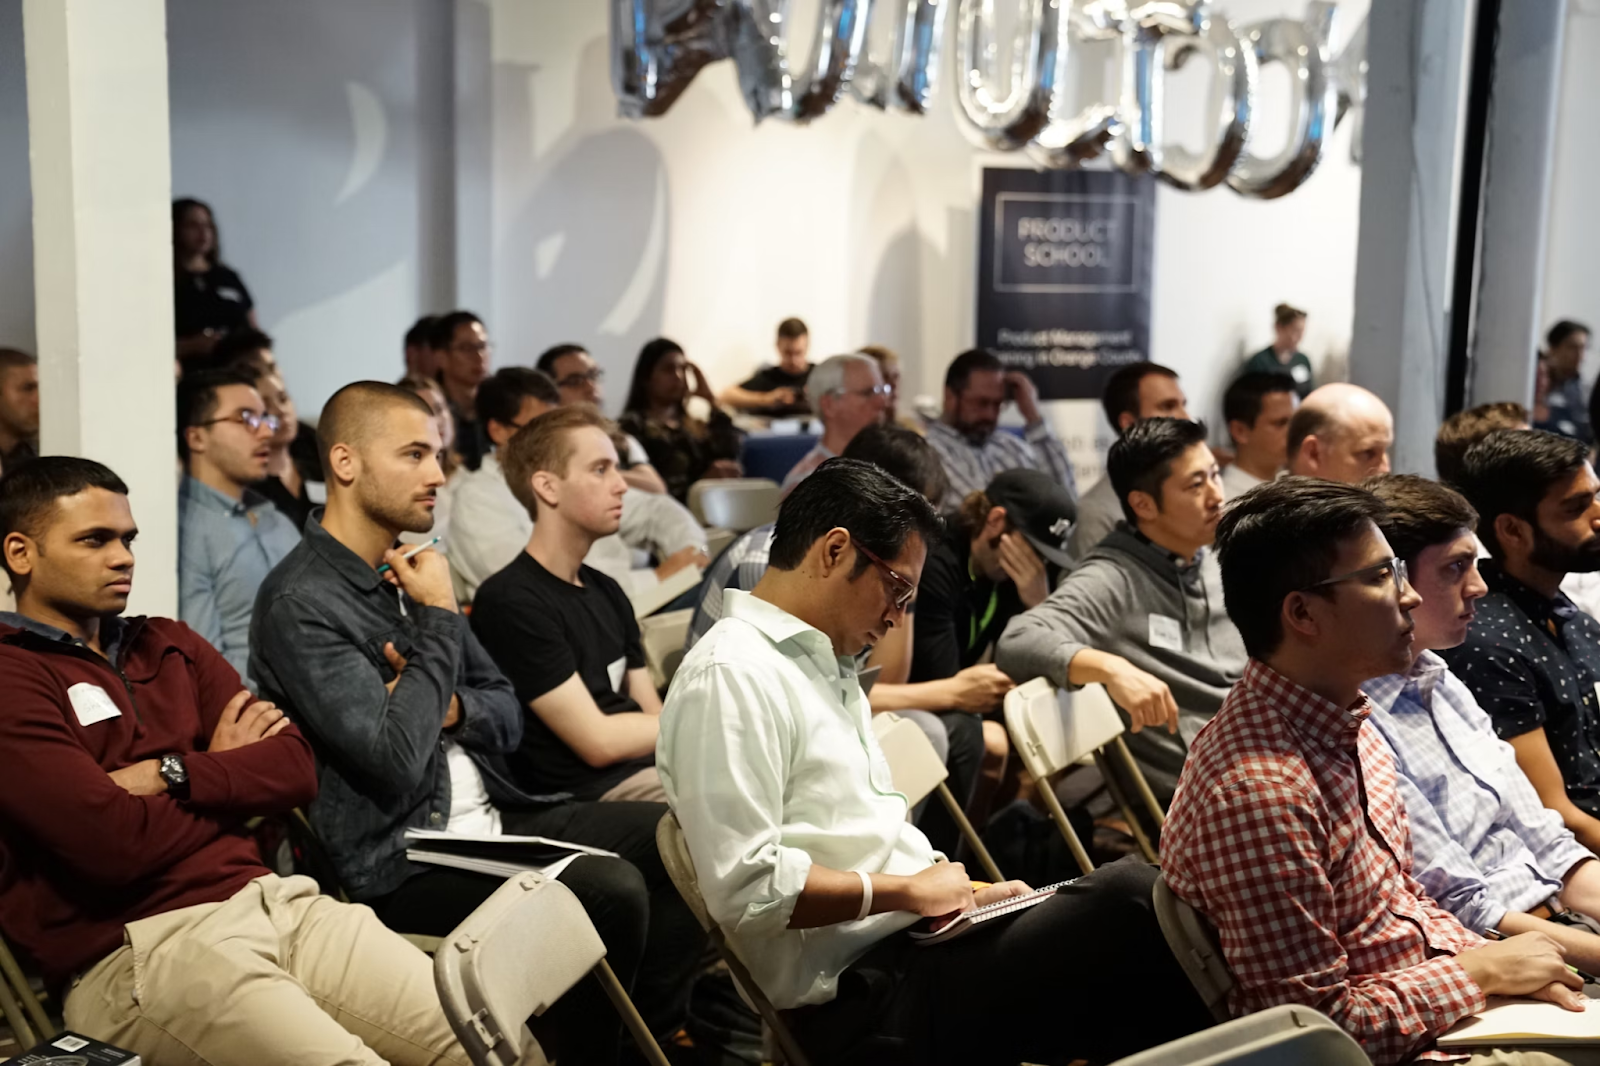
(1133, 599)
(1099, 512)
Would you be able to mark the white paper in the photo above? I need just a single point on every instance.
(91, 704)
(1525, 1021)
(615, 672)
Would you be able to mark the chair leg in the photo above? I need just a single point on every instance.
(16, 1018)
(630, 1014)
(30, 1002)
(969, 833)
(1048, 794)
(1115, 789)
(792, 1055)
(1141, 784)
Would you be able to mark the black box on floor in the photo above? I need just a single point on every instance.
(68, 1045)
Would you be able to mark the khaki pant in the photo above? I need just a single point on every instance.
(643, 787)
(279, 975)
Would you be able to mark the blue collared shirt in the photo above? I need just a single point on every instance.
(226, 549)
(971, 467)
(1481, 841)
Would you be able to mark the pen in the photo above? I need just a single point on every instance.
(1588, 978)
(413, 551)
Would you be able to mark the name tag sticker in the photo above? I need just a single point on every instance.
(1166, 633)
(1300, 374)
(616, 670)
(91, 704)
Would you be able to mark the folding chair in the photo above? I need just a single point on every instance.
(680, 867)
(519, 952)
(1194, 945)
(918, 771)
(736, 503)
(663, 637)
(1286, 1035)
(25, 1013)
(1052, 730)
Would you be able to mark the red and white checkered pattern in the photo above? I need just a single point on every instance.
(1312, 896)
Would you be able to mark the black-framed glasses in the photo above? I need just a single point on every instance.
(251, 420)
(586, 377)
(904, 589)
(1395, 566)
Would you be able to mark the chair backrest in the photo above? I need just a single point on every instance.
(514, 956)
(738, 504)
(1194, 945)
(913, 762)
(663, 636)
(1052, 729)
(1286, 1035)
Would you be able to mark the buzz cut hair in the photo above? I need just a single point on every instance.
(353, 415)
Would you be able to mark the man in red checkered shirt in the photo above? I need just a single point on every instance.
(1286, 830)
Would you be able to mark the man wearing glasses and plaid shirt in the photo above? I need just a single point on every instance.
(1287, 830)
(229, 536)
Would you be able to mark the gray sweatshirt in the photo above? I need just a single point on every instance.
(1133, 599)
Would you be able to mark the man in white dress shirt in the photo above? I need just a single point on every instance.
(802, 847)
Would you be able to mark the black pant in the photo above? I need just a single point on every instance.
(964, 761)
(1086, 974)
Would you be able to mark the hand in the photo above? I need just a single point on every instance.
(1024, 394)
(693, 555)
(784, 397)
(980, 689)
(244, 721)
(452, 717)
(397, 663)
(141, 779)
(1528, 964)
(724, 468)
(1024, 567)
(941, 889)
(425, 577)
(698, 384)
(995, 893)
(1147, 699)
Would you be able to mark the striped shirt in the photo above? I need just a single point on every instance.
(740, 566)
(971, 467)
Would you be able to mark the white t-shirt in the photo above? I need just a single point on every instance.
(470, 809)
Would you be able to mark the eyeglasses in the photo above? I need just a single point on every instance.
(1396, 568)
(251, 420)
(875, 390)
(904, 589)
(587, 377)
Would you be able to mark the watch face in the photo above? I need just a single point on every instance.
(173, 770)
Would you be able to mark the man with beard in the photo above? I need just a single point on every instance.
(1531, 658)
(970, 446)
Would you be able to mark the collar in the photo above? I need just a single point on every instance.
(1317, 720)
(344, 562)
(1418, 684)
(779, 626)
(1551, 614)
(193, 490)
(112, 629)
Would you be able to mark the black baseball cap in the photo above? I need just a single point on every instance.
(1040, 507)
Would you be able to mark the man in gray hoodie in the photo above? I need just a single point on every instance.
(1143, 613)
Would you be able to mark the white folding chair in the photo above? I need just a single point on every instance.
(1194, 945)
(918, 771)
(1052, 730)
(23, 1009)
(680, 867)
(520, 951)
(663, 636)
(717, 540)
(736, 503)
(1286, 1035)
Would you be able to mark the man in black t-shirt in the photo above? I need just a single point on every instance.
(564, 633)
(777, 391)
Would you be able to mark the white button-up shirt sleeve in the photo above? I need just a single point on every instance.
(488, 526)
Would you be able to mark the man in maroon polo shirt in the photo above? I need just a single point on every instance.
(134, 757)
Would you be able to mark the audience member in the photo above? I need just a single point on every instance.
(1531, 659)
(410, 719)
(1567, 411)
(450, 461)
(1341, 433)
(1465, 428)
(777, 391)
(577, 377)
(1257, 408)
(419, 356)
(462, 351)
(229, 535)
(1133, 393)
(682, 448)
(1287, 832)
(968, 440)
(1142, 613)
(244, 349)
(290, 472)
(492, 527)
(210, 299)
(136, 757)
(889, 369)
(19, 407)
(1484, 845)
(1283, 355)
(848, 395)
(804, 854)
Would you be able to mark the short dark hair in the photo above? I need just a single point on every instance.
(1242, 402)
(353, 414)
(197, 398)
(500, 395)
(1465, 428)
(239, 346)
(29, 491)
(880, 512)
(1421, 513)
(1121, 395)
(421, 331)
(904, 455)
(1511, 470)
(969, 362)
(547, 360)
(1562, 330)
(791, 328)
(14, 358)
(1141, 459)
(1281, 537)
(443, 331)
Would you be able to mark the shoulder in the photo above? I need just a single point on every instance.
(606, 586)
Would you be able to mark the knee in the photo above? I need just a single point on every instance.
(613, 893)
(996, 745)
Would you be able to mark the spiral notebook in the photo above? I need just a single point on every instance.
(970, 920)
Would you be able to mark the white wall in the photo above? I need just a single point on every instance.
(1570, 289)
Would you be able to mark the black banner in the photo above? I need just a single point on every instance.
(1064, 269)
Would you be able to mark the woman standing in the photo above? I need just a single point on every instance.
(682, 448)
(210, 298)
(1284, 356)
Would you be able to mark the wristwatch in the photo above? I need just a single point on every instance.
(176, 775)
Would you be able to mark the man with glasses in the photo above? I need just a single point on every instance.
(1288, 832)
(462, 352)
(578, 377)
(229, 536)
(847, 392)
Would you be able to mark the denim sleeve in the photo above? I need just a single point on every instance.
(491, 718)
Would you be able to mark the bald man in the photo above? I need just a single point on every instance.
(1342, 432)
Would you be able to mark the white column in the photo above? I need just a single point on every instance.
(102, 252)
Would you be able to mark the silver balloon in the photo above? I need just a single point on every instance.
(657, 48)
(1144, 31)
(840, 40)
(1228, 106)
(1068, 140)
(1302, 47)
(904, 79)
(1350, 77)
(1038, 64)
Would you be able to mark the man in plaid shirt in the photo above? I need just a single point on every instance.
(1286, 830)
